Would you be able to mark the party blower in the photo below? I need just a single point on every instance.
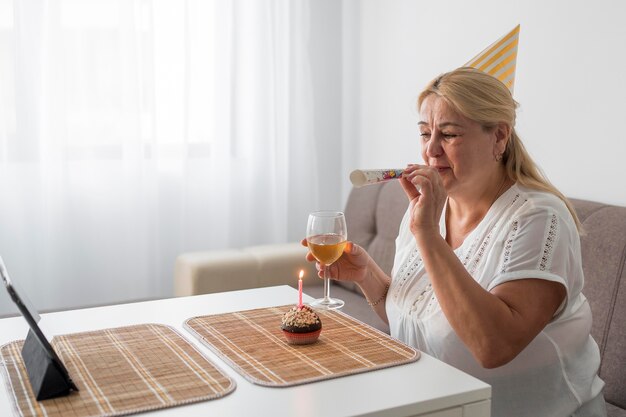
(361, 177)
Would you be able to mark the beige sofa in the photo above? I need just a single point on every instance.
(373, 214)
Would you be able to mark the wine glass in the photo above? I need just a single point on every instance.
(326, 236)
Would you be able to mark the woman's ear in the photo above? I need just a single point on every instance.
(503, 134)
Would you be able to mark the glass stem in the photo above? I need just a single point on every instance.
(326, 283)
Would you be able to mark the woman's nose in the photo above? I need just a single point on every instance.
(433, 148)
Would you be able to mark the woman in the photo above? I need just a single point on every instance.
(487, 274)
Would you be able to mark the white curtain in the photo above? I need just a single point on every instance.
(134, 130)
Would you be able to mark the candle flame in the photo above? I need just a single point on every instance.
(301, 274)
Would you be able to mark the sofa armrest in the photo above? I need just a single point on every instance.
(237, 269)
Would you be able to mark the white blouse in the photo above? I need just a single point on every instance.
(525, 234)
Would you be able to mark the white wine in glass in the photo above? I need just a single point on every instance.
(326, 236)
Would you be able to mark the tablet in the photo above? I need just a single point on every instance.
(32, 318)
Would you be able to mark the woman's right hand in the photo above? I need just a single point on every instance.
(424, 188)
(351, 266)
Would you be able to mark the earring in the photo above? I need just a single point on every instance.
(498, 157)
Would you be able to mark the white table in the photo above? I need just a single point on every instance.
(427, 387)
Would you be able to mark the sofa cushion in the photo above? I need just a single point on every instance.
(273, 269)
(613, 411)
(390, 208)
(603, 246)
(613, 369)
(238, 269)
(228, 270)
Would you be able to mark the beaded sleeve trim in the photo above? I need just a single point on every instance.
(481, 251)
(548, 247)
(508, 245)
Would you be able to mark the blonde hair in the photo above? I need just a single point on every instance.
(484, 99)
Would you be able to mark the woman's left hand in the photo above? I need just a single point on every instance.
(353, 265)
(427, 195)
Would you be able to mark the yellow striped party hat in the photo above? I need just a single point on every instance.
(499, 58)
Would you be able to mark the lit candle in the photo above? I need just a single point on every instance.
(300, 288)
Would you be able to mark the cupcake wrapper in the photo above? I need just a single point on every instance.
(302, 338)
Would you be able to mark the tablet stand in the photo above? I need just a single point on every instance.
(46, 379)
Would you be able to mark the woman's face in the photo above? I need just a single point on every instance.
(459, 148)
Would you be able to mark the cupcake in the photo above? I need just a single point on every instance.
(301, 325)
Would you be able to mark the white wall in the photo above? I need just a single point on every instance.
(571, 80)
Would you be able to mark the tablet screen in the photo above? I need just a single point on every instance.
(13, 292)
(32, 317)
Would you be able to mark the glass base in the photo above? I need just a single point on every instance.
(327, 303)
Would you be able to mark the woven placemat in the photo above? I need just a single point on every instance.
(253, 344)
(119, 371)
